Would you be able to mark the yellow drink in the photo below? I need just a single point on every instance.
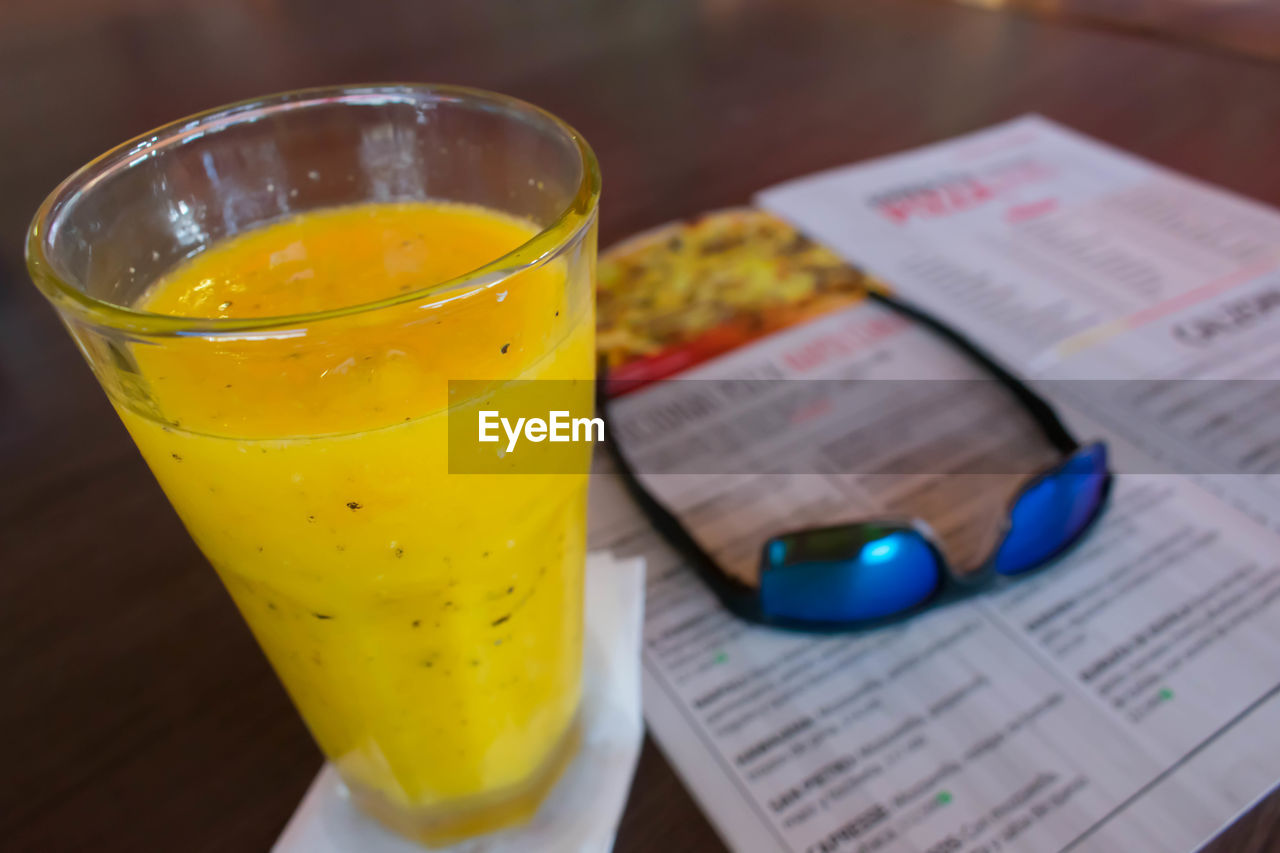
(428, 626)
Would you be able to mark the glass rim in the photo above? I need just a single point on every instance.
(542, 247)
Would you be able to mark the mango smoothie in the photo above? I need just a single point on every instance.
(427, 625)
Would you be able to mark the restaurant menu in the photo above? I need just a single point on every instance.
(1128, 697)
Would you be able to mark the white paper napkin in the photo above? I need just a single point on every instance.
(581, 813)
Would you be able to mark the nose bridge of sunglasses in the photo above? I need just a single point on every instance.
(966, 516)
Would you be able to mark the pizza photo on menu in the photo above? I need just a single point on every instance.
(688, 291)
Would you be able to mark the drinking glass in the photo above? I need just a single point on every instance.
(426, 624)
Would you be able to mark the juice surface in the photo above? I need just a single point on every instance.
(428, 626)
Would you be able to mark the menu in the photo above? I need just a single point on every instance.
(1128, 698)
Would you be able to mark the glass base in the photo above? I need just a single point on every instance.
(442, 825)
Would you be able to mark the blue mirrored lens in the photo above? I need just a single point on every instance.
(849, 574)
(1053, 510)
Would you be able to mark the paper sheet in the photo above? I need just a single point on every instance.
(1075, 261)
(1126, 699)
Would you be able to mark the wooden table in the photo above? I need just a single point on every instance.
(138, 713)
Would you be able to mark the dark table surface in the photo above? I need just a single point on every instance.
(139, 714)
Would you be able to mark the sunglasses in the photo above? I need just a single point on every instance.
(866, 574)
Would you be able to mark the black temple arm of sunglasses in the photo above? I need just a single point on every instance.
(1036, 406)
(737, 596)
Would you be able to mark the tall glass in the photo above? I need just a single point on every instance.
(427, 624)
